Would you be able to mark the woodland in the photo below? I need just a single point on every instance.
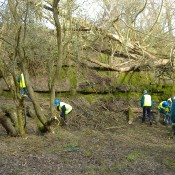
(98, 56)
(126, 37)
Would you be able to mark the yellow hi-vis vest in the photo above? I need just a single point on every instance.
(22, 81)
(161, 107)
(147, 100)
(68, 107)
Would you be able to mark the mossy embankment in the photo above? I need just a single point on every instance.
(92, 83)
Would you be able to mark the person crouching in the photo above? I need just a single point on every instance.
(64, 108)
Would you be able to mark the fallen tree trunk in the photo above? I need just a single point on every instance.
(133, 47)
(7, 124)
(82, 25)
(156, 63)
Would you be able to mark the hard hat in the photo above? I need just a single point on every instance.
(165, 104)
(145, 92)
(56, 102)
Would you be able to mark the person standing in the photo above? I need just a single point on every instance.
(146, 104)
(22, 85)
(65, 110)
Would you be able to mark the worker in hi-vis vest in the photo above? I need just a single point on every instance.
(164, 110)
(64, 108)
(146, 104)
(23, 89)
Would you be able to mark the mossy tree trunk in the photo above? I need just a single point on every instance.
(39, 114)
(13, 126)
(20, 114)
(56, 70)
(20, 29)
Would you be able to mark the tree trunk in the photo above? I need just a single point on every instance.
(43, 119)
(7, 124)
(56, 72)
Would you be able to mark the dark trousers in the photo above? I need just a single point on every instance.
(146, 110)
(23, 91)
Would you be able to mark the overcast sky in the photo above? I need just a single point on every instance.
(90, 7)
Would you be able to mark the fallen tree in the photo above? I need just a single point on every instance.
(133, 67)
(139, 57)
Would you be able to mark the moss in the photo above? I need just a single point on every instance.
(168, 162)
(72, 147)
(90, 98)
(6, 94)
(130, 115)
(72, 74)
(108, 96)
(93, 97)
(63, 74)
(1, 91)
(128, 95)
(106, 73)
(87, 153)
(118, 166)
(132, 156)
(103, 58)
(138, 79)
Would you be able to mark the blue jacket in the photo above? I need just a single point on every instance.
(173, 111)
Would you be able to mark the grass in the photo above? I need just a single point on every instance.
(134, 155)
(125, 149)
(169, 162)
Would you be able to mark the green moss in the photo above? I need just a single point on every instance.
(103, 58)
(168, 162)
(95, 97)
(130, 114)
(128, 95)
(63, 74)
(118, 166)
(134, 156)
(72, 74)
(87, 153)
(138, 79)
(90, 98)
(71, 147)
(106, 73)
(108, 96)
(6, 94)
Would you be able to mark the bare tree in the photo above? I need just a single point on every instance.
(58, 65)
(17, 23)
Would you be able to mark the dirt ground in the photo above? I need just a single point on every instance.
(97, 141)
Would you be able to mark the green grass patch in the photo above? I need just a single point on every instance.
(169, 162)
(118, 166)
(132, 156)
(72, 147)
(6, 94)
(87, 153)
